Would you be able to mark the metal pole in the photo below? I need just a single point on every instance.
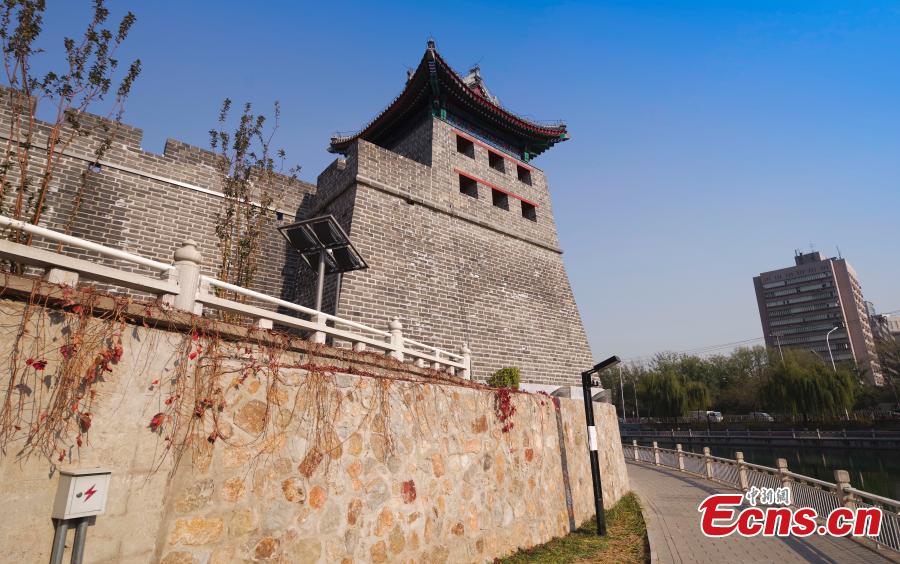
(60, 530)
(592, 446)
(622, 393)
(778, 340)
(78, 544)
(337, 291)
(827, 344)
(636, 412)
(321, 286)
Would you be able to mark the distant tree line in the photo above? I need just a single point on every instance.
(797, 382)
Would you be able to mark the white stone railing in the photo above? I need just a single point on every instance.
(183, 287)
(822, 496)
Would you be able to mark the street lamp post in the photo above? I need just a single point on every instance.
(828, 344)
(587, 382)
(622, 393)
(778, 340)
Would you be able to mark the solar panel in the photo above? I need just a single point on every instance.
(312, 237)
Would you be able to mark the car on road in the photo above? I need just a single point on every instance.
(710, 416)
(761, 416)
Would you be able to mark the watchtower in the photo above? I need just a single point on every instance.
(439, 193)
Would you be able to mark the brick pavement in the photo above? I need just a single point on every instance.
(669, 501)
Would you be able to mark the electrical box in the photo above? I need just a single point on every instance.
(81, 493)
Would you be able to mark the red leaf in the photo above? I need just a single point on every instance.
(193, 355)
(62, 455)
(39, 364)
(84, 421)
(155, 382)
(157, 421)
(77, 309)
(195, 336)
(169, 400)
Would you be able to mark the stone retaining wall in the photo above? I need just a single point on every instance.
(310, 466)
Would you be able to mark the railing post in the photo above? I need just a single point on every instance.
(782, 466)
(319, 336)
(634, 446)
(842, 482)
(708, 460)
(396, 329)
(187, 273)
(680, 457)
(467, 362)
(818, 434)
(359, 347)
(655, 453)
(690, 433)
(742, 471)
(61, 277)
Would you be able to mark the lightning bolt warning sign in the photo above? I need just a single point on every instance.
(88, 493)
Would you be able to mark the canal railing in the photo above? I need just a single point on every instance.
(820, 495)
(868, 438)
(780, 433)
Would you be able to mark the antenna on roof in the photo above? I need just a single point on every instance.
(839, 252)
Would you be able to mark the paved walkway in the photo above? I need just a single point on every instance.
(669, 500)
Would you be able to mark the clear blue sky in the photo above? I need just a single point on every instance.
(709, 139)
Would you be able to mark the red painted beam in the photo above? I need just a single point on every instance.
(493, 186)
(465, 135)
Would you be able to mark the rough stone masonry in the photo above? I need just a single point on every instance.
(408, 468)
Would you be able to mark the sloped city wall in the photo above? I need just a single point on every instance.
(286, 451)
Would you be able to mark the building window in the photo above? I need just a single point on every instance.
(465, 147)
(524, 174)
(496, 161)
(501, 200)
(468, 186)
(529, 211)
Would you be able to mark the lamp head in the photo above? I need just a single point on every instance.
(608, 363)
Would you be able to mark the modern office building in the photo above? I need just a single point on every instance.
(879, 324)
(817, 305)
(893, 323)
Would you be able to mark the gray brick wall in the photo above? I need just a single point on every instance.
(125, 207)
(454, 268)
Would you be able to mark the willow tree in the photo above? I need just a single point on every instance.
(662, 392)
(89, 74)
(802, 384)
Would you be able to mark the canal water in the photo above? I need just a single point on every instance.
(875, 471)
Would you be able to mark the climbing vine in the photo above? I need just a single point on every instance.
(504, 408)
(68, 345)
